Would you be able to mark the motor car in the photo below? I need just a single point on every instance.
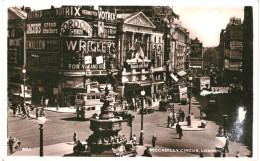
(184, 101)
(164, 105)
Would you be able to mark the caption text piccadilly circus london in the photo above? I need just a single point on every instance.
(165, 150)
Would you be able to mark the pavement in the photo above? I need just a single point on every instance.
(62, 109)
(198, 138)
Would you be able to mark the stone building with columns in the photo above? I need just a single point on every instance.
(141, 55)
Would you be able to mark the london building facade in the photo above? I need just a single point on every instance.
(72, 49)
(231, 43)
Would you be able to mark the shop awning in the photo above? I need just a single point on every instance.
(174, 78)
(181, 73)
(145, 83)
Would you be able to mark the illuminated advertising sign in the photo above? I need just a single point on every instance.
(106, 15)
(76, 27)
(87, 54)
(34, 14)
(42, 44)
(90, 46)
(236, 45)
(40, 60)
(235, 54)
(48, 28)
(68, 11)
(105, 30)
(34, 28)
(235, 66)
(14, 42)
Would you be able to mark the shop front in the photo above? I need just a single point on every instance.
(88, 55)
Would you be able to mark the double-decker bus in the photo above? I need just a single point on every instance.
(88, 104)
(178, 92)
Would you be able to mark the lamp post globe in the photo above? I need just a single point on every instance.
(41, 120)
(189, 95)
(142, 93)
(24, 72)
(142, 113)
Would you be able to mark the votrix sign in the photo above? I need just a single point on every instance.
(68, 11)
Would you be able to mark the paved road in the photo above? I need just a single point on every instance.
(60, 127)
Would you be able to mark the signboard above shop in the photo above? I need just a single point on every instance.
(42, 28)
(76, 27)
(73, 12)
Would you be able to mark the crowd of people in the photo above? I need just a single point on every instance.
(174, 117)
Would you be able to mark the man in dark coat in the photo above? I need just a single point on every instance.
(180, 133)
(141, 140)
(154, 139)
(147, 152)
(178, 126)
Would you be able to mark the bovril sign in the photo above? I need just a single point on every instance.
(76, 27)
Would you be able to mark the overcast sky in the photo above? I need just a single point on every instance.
(206, 22)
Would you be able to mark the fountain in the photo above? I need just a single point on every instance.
(105, 141)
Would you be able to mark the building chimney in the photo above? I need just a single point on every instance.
(27, 9)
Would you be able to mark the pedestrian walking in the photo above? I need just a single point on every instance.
(178, 126)
(14, 110)
(182, 115)
(42, 113)
(154, 139)
(226, 150)
(14, 144)
(37, 112)
(24, 115)
(134, 140)
(75, 137)
(180, 133)
(19, 109)
(141, 140)
(27, 111)
(170, 119)
(11, 142)
(46, 102)
(42, 101)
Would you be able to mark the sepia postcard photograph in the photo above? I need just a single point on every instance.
(103, 79)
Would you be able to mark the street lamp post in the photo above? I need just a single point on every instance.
(24, 72)
(142, 113)
(41, 121)
(225, 124)
(189, 95)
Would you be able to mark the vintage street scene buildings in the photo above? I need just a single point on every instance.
(126, 81)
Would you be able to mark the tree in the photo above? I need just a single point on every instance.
(211, 56)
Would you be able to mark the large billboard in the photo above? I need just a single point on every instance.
(80, 53)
